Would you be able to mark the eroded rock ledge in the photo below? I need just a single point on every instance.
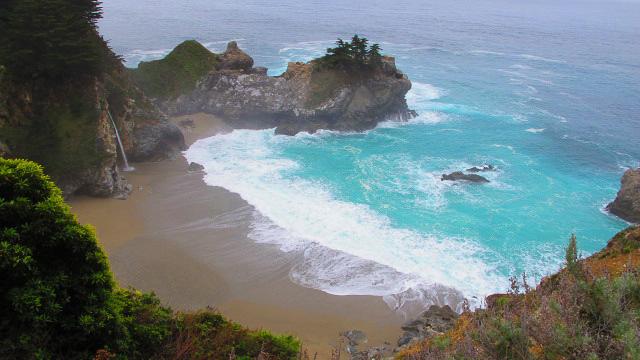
(306, 97)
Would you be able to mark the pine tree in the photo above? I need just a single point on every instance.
(51, 40)
(374, 54)
(571, 257)
(354, 55)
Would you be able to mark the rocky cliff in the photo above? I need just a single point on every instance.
(627, 202)
(306, 97)
(587, 310)
(67, 129)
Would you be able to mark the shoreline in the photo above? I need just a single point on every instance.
(188, 242)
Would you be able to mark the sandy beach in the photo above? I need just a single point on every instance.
(188, 243)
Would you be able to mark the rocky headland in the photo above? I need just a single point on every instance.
(627, 203)
(306, 97)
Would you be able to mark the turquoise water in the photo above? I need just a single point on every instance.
(547, 93)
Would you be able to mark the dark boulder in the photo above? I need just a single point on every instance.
(627, 202)
(156, 140)
(195, 167)
(460, 176)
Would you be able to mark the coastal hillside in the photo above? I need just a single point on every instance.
(351, 88)
(177, 73)
(62, 100)
(588, 310)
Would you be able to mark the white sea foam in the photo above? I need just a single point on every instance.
(350, 248)
(486, 52)
(540, 58)
(425, 117)
(134, 57)
(418, 98)
(535, 130)
(421, 92)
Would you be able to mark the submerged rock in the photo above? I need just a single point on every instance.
(481, 168)
(627, 202)
(459, 175)
(306, 97)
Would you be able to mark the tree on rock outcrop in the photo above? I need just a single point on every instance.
(356, 54)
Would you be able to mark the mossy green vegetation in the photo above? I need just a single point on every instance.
(59, 299)
(177, 73)
(59, 131)
(588, 310)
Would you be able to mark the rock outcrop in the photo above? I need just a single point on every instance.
(460, 176)
(627, 203)
(235, 59)
(356, 347)
(306, 97)
(482, 168)
(435, 321)
(195, 167)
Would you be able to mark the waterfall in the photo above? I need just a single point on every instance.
(124, 156)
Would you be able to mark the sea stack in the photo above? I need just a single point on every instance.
(306, 97)
(627, 202)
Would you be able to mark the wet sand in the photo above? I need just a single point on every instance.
(188, 243)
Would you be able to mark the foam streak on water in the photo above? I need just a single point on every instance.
(373, 256)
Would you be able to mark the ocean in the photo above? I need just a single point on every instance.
(547, 92)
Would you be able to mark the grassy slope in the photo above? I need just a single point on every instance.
(587, 311)
(177, 73)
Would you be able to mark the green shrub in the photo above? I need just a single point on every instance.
(56, 286)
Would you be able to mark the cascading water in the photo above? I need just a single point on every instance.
(126, 166)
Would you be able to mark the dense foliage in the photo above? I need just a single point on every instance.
(56, 288)
(51, 40)
(59, 300)
(177, 73)
(352, 55)
(589, 310)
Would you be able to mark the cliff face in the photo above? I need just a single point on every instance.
(627, 202)
(305, 98)
(67, 129)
